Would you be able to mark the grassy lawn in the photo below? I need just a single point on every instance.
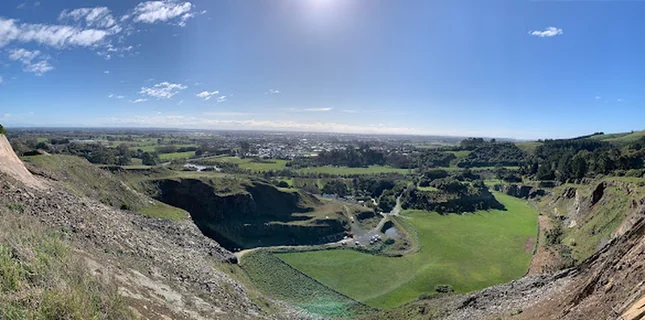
(145, 147)
(278, 280)
(254, 165)
(350, 171)
(528, 146)
(176, 155)
(162, 210)
(468, 252)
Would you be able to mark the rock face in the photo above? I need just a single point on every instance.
(519, 191)
(11, 165)
(261, 215)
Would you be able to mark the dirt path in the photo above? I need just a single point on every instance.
(544, 256)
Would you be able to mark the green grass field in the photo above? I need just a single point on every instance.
(468, 252)
(146, 147)
(278, 280)
(350, 171)
(528, 146)
(255, 166)
(176, 155)
(164, 211)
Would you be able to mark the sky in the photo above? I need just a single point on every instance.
(514, 69)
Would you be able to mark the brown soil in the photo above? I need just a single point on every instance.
(545, 258)
(11, 165)
(529, 245)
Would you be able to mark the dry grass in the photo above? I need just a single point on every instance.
(42, 278)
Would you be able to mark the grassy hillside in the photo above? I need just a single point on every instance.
(42, 278)
(622, 138)
(83, 179)
(468, 252)
(589, 226)
(280, 281)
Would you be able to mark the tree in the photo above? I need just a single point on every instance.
(335, 187)
(2, 130)
(387, 201)
(148, 159)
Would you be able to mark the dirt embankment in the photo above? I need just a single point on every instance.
(11, 165)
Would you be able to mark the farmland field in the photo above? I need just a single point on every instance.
(176, 155)
(352, 171)
(254, 165)
(468, 252)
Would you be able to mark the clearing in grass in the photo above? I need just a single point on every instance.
(468, 252)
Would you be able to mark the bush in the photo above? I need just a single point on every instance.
(444, 288)
(283, 184)
(2, 130)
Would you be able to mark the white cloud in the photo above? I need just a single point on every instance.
(138, 100)
(221, 99)
(180, 102)
(23, 55)
(227, 114)
(39, 68)
(309, 109)
(99, 17)
(619, 100)
(548, 32)
(180, 121)
(106, 71)
(164, 90)
(155, 11)
(206, 95)
(272, 91)
(111, 95)
(26, 57)
(52, 35)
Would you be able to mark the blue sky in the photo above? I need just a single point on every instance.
(519, 69)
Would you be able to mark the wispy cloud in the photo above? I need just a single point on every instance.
(138, 100)
(26, 57)
(228, 114)
(221, 99)
(106, 71)
(155, 11)
(273, 91)
(180, 121)
(111, 95)
(309, 109)
(163, 90)
(619, 100)
(597, 97)
(206, 95)
(99, 17)
(548, 32)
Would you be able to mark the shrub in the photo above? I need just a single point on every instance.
(2, 130)
(444, 288)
